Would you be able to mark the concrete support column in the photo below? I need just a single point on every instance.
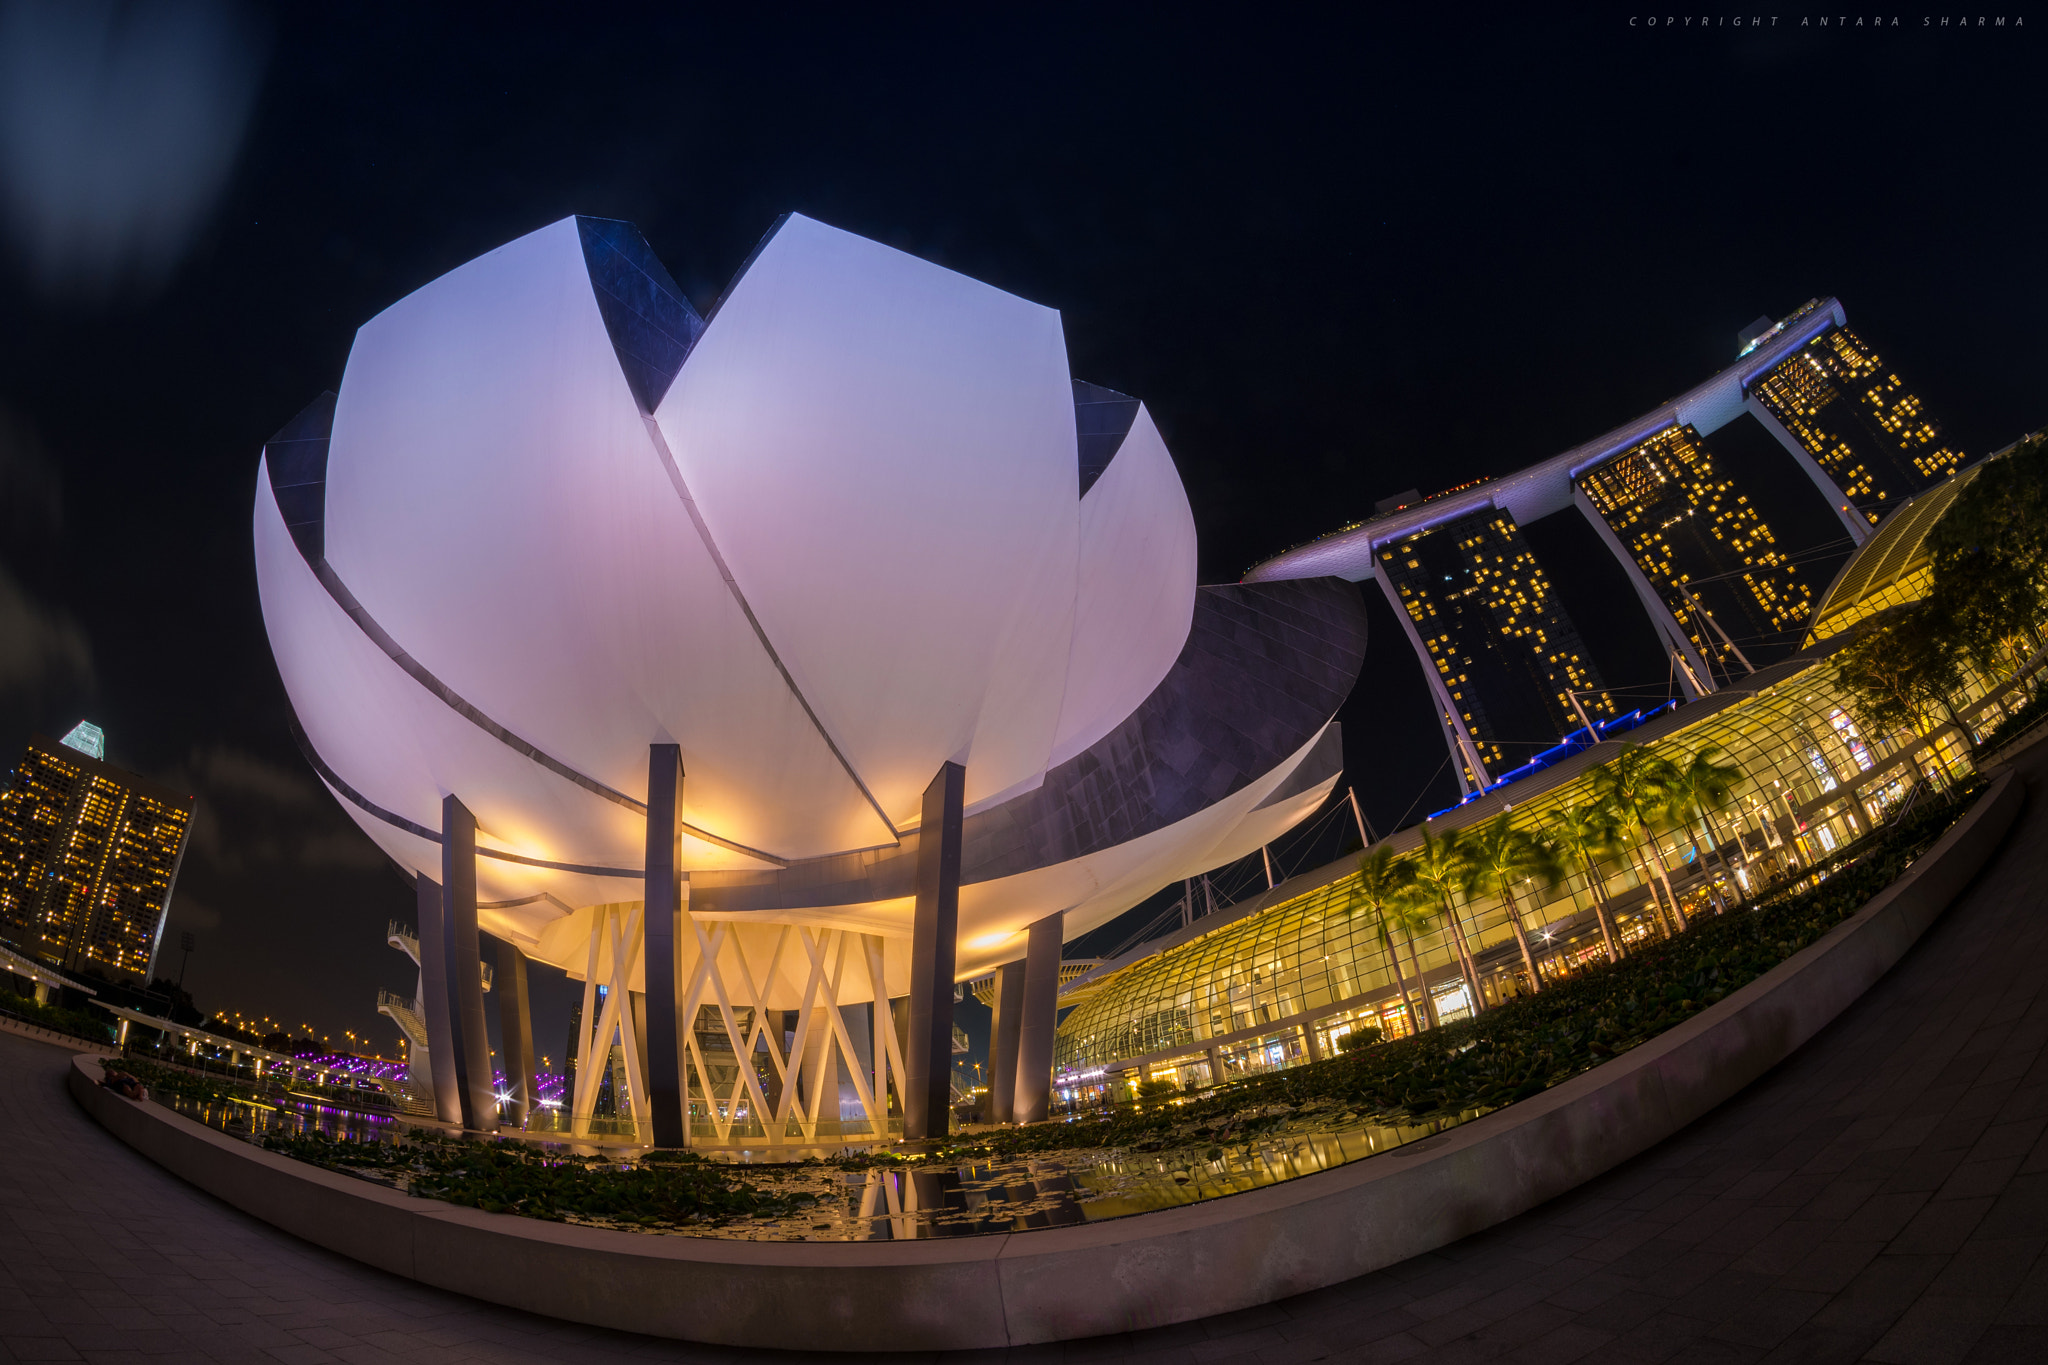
(1215, 1065)
(515, 1032)
(1004, 1031)
(667, 892)
(1041, 1011)
(1308, 1037)
(1694, 677)
(434, 1000)
(638, 1001)
(465, 966)
(927, 1109)
(1853, 521)
(860, 1031)
(1471, 770)
(818, 1072)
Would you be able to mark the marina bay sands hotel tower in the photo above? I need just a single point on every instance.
(1504, 662)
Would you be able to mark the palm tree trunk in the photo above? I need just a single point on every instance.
(1472, 960)
(1421, 985)
(1720, 849)
(1466, 967)
(1714, 847)
(1665, 877)
(1600, 915)
(1522, 938)
(1635, 855)
(1400, 982)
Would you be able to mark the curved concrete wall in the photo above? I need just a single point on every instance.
(1063, 1283)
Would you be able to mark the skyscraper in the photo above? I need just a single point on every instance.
(1701, 548)
(1872, 435)
(88, 856)
(1505, 652)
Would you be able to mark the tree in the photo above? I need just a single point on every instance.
(1362, 1036)
(1990, 614)
(1993, 540)
(1700, 786)
(1498, 857)
(1899, 671)
(1412, 915)
(1632, 784)
(1584, 834)
(1440, 870)
(1989, 557)
(1385, 885)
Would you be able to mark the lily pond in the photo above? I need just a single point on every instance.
(850, 1198)
(1137, 1159)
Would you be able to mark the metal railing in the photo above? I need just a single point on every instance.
(406, 1014)
(402, 936)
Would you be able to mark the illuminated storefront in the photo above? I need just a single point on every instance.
(1286, 982)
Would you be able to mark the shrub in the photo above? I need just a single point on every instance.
(1533, 1042)
(77, 1023)
(1361, 1036)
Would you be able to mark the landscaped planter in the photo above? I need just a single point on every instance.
(1143, 1271)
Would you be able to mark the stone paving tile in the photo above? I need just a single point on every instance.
(1562, 1345)
(1882, 1196)
(1942, 1226)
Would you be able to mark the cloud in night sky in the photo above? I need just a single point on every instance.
(231, 771)
(119, 124)
(187, 912)
(279, 817)
(40, 647)
(31, 495)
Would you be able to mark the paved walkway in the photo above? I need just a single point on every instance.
(1882, 1196)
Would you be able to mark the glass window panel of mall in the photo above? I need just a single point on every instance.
(1801, 750)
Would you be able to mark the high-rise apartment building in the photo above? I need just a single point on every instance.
(1505, 651)
(1847, 409)
(88, 856)
(1705, 553)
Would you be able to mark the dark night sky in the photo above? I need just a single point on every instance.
(1336, 261)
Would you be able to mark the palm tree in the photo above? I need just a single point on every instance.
(1633, 785)
(1385, 884)
(1411, 914)
(1584, 834)
(1440, 874)
(1497, 857)
(1700, 786)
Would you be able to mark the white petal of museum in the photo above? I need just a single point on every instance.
(859, 523)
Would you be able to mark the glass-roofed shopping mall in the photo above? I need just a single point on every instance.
(1291, 973)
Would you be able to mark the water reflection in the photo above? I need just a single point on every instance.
(902, 1203)
(288, 1115)
(1084, 1187)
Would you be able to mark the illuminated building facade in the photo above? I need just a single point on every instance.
(1708, 557)
(1506, 654)
(1043, 719)
(1837, 400)
(88, 856)
(1284, 978)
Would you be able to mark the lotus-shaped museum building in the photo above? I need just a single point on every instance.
(853, 559)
